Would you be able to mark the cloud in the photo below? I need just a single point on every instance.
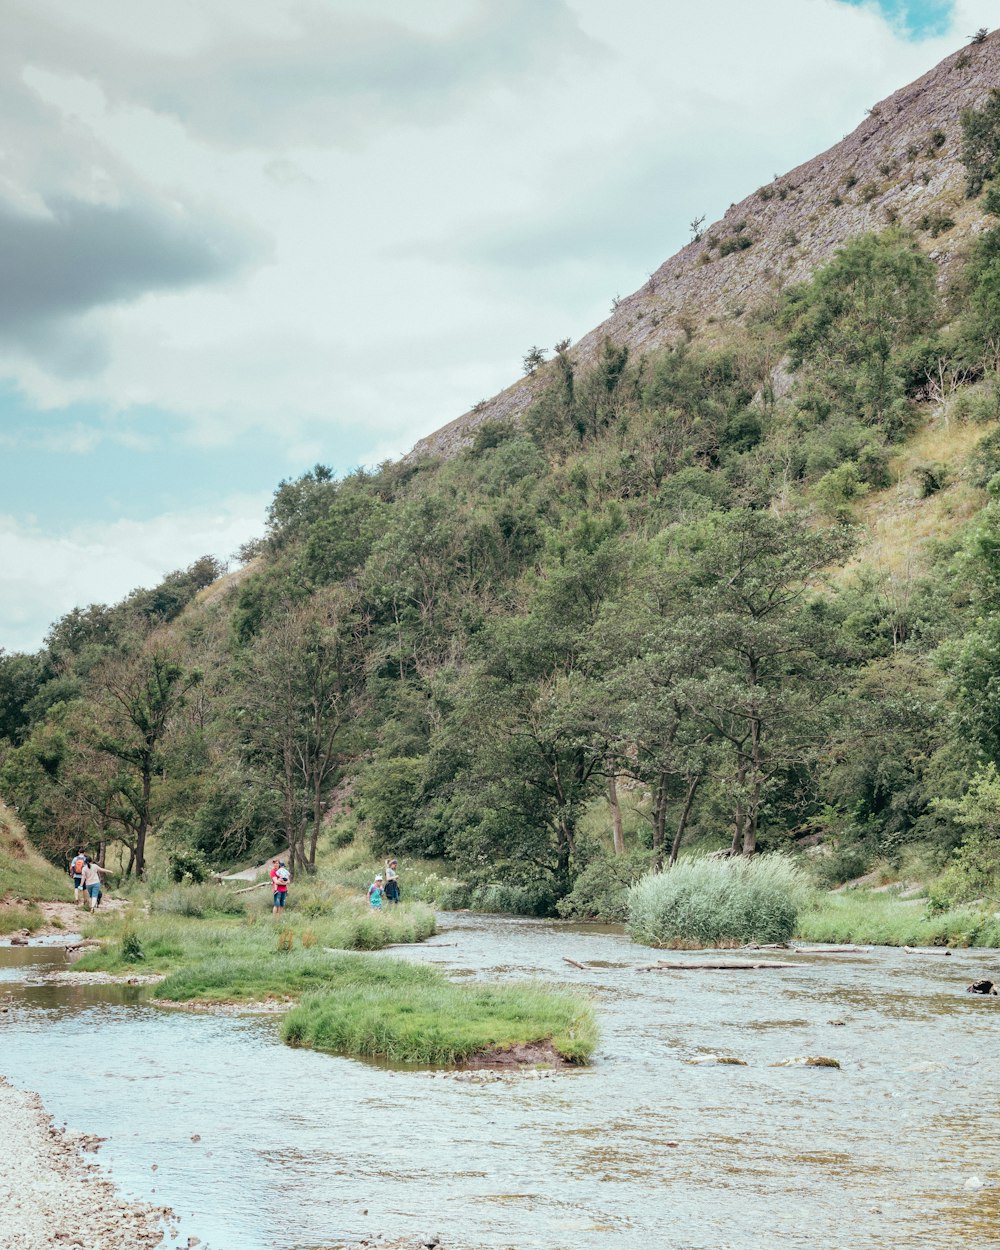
(273, 76)
(46, 574)
(78, 256)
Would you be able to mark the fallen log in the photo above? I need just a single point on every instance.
(259, 886)
(574, 963)
(926, 950)
(713, 965)
(831, 950)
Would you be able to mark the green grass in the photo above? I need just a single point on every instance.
(708, 902)
(884, 919)
(24, 874)
(14, 918)
(253, 956)
(393, 1010)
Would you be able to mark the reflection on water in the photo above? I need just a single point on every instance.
(643, 1150)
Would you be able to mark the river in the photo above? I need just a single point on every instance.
(260, 1147)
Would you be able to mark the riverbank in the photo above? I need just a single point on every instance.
(51, 1196)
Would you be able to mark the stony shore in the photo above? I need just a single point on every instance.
(51, 1196)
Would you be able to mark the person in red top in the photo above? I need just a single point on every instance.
(280, 876)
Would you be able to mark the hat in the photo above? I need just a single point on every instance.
(281, 863)
(378, 876)
(392, 862)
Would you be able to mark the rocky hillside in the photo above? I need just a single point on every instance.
(901, 165)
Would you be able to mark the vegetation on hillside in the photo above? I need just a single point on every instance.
(635, 599)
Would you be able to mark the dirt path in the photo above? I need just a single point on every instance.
(61, 917)
(52, 1197)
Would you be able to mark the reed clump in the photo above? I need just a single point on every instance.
(710, 902)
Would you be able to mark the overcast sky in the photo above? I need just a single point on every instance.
(238, 237)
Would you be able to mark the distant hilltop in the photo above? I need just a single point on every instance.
(900, 166)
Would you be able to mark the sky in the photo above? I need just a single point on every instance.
(240, 237)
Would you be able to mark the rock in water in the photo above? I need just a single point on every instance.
(808, 1061)
(981, 987)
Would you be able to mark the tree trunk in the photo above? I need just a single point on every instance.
(140, 835)
(660, 820)
(616, 816)
(693, 785)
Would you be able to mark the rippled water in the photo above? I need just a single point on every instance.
(644, 1149)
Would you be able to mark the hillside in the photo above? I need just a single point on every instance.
(24, 874)
(901, 165)
(730, 581)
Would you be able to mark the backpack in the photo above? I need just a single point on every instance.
(77, 866)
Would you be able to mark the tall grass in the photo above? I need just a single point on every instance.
(707, 902)
(393, 1010)
(886, 920)
(24, 874)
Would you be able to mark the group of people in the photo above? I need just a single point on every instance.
(86, 877)
(385, 887)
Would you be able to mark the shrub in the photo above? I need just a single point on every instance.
(132, 950)
(514, 900)
(931, 478)
(707, 902)
(601, 890)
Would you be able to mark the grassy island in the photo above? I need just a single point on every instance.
(214, 946)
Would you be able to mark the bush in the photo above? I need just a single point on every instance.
(601, 890)
(710, 902)
(514, 900)
(132, 950)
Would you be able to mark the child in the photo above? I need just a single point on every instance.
(375, 893)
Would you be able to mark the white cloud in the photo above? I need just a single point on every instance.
(46, 574)
(374, 208)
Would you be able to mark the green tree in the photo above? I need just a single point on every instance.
(850, 322)
(301, 685)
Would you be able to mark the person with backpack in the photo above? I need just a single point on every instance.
(375, 893)
(280, 877)
(92, 882)
(76, 867)
(391, 881)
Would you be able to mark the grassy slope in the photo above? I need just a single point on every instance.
(25, 877)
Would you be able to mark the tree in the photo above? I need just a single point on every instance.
(136, 698)
(533, 359)
(851, 320)
(766, 645)
(301, 685)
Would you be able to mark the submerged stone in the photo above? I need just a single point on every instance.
(808, 1061)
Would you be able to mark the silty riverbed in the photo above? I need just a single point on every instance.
(260, 1147)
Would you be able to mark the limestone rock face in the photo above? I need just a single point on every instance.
(901, 165)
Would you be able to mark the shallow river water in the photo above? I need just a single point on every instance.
(898, 1148)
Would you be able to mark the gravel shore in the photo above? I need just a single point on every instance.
(52, 1197)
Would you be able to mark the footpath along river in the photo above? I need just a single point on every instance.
(259, 1147)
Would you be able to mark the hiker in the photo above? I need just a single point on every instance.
(391, 881)
(280, 877)
(91, 881)
(375, 893)
(76, 867)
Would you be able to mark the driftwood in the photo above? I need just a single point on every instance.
(716, 965)
(259, 886)
(831, 950)
(926, 950)
(765, 946)
(582, 967)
